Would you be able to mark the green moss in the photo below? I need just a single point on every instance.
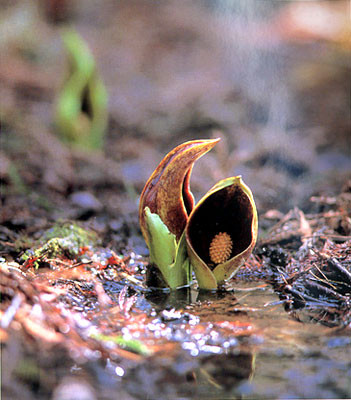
(73, 233)
(23, 242)
(132, 345)
(62, 239)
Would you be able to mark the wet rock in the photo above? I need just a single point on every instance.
(86, 201)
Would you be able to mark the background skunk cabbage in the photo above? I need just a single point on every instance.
(81, 107)
(214, 237)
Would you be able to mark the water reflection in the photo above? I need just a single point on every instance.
(165, 299)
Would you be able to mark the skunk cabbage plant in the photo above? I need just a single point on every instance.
(213, 237)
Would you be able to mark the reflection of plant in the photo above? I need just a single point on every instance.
(214, 237)
(81, 108)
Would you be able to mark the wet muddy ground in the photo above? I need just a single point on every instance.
(77, 318)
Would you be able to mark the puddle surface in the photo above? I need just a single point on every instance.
(295, 360)
(279, 358)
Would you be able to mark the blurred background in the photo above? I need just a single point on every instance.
(271, 78)
(93, 94)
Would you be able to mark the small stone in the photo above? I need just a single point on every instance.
(86, 200)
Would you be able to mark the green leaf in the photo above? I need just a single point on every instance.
(181, 269)
(128, 344)
(162, 243)
(169, 257)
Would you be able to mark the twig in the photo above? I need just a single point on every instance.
(11, 310)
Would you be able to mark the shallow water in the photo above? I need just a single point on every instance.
(296, 360)
(281, 358)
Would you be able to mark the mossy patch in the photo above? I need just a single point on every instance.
(63, 239)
